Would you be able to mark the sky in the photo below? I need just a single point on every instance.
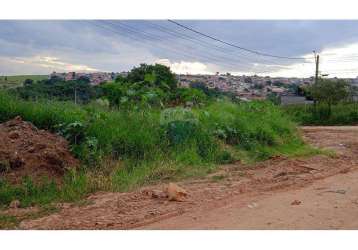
(41, 47)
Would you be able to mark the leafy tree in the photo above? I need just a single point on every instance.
(28, 82)
(329, 92)
(120, 79)
(204, 88)
(353, 93)
(146, 85)
(195, 96)
(157, 75)
(59, 89)
(84, 79)
(114, 93)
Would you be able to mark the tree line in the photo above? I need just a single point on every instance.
(145, 85)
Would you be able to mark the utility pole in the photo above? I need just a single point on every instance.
(75, 93)
(75, 81)
(316, 57)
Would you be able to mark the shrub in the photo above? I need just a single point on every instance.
(152, 143)
(192, 95)
(340, 114)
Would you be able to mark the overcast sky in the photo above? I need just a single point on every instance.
(40, 47)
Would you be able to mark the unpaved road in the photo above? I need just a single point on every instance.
(319, 192)
(331, 203)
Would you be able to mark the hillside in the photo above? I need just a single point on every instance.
(15, 81)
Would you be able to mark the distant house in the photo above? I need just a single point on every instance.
(94, 78)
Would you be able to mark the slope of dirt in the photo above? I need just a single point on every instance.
(28, 151)
(234, 186)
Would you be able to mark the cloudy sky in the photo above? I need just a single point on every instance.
(40, 47)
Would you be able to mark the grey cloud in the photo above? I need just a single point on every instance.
(120, 45)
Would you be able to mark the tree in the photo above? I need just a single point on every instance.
(114, 92)
(329, 92)
(274, 98)
(353, 93)
(192, 95)
(158, 75)
(57, 88)
(28, 82)
(120, 79)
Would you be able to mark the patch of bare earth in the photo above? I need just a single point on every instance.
(234, 186)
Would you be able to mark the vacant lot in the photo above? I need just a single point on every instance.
(308, 193)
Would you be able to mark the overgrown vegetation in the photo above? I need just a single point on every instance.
(149, 132)
(334, 104)
(341, 114)
(74, 186)
(79, 91)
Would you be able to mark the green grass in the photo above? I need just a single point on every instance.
(12, 222)
(342, 114)
(138, 147)
(8, 222)
(15, 81)
(75, 186)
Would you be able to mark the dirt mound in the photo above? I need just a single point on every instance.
(28, 151)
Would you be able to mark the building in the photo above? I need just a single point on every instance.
(95, 78)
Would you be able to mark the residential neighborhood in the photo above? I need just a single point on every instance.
(94, 78)
(245, 87)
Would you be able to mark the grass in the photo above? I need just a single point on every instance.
(12, 222)
(15, 81)
(342, 114)
(125, 149)
(8, 222)
(74, 187)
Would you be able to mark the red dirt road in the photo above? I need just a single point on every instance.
(318, 192)
(331, 203)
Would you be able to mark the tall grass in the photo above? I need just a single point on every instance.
(143, 147)
(341, 114)
(74, 186)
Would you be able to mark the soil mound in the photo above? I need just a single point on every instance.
(27, 151)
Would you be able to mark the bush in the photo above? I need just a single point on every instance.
(192, 95)
(152, 143)
(340, 114)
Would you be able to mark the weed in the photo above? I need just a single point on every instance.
(150, 144)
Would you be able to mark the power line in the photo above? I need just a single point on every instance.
(252, 69)
(208, 56)
(145, 37)
(150, 37)
(206, 44)
(236, 46)
(187, 38)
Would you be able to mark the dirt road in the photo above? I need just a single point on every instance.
(319, 192)
(331, 203)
